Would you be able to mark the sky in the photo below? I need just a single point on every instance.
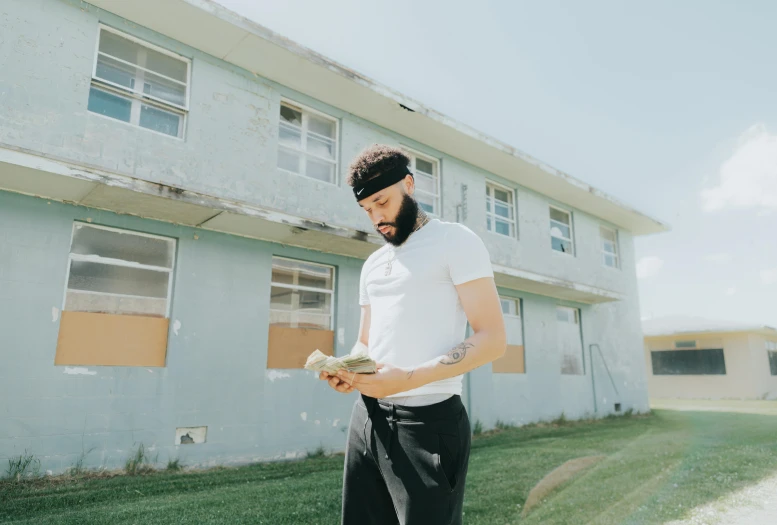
(671, 107)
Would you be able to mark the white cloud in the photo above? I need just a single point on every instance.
(748, 179)
(649, 266)
(769, 276)
(731, 290)
(719, 258)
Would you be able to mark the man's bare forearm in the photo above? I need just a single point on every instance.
(476, 351)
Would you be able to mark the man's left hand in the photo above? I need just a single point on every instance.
(388, 380)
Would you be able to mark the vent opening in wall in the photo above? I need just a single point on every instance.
(190, 435)
(617, 407)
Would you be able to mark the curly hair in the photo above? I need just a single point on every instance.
(373, 161)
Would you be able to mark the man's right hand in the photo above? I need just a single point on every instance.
(336, 383)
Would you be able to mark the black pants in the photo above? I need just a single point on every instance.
(405, 465)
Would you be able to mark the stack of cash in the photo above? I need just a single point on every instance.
(356, 362)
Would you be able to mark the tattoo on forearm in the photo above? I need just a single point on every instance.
(457, 354)
(410, 374)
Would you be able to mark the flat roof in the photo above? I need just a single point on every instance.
(686, 324)
(213, 29)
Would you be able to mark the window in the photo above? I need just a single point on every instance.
(307, 143)
(688, 362)
(570, 340)
(561, 231)
(139, 83)
(771, 348)
(610, 247)
(119, 272)
(500, 210)
(301, 295)
(685, 344)
(513, 361)
(426, 173)
(117, 298)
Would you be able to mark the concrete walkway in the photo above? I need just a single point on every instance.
(755, 505)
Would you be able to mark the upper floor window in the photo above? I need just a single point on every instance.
(561, 231)
(426, 173)
(500, 210)
(140, 84)
(610, 247)
(307, 143)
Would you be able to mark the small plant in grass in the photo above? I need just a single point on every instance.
(320, 452)
(22, 466)
(560, 420)
(138, 462)
(628, 413)
(477, 429)
(78, 469)
(174, 465)
(501, 425)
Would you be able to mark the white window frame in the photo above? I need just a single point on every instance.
(139, 98)
(304, 137)
(571, 239)
(617, 254)
(492, 214)
(307, 288)
(120, 262)
(415, 154)
(516, 302)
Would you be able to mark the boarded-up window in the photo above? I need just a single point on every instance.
(117, 299)
(513, 361)
(688, 362)
(570, 340)
(301, 312)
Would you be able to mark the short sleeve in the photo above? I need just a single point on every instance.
(468, 258)
(364, 298)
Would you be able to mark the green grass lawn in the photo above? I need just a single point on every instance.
(657, 468)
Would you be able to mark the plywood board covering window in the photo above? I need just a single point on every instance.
(117, 298)
(513, 361)
(301, 307)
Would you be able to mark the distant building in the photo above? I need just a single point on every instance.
(692, 357)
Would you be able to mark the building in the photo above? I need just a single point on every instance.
(692, 357)
(176, 236)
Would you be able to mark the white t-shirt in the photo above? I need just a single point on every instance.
(415, 312)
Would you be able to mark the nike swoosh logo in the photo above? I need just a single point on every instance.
(360, 191)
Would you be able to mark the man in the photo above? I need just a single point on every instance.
(409, 439)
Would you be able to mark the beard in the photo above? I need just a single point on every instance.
(404, 223)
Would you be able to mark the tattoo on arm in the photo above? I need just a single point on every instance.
(410, 374)
(457, 354)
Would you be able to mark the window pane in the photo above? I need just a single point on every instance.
(164, 89)
(608, 247)
(119, 47)
(488, 223)
(426, 202)
(123, 245)
(424, 166)
(321, 147)
(607, 234)
(321, 126)
(609, 260)
(501, 195)
(488, 204)
(685, 344)
(688, 362)
(559, 230)
(281, 298)
(559, 216)
(109, 104)
(773, 363)
(320, 170)
(116, 72)
(502, 210)
(106, 278)
(308, 274)
(160, 120)
(508, 306)
(291, 116)
(78, 301)
(562, 315)
(290, 135)
(288, 160)
(166, 65)
(561, 246)
(503, 228)
(426, 183)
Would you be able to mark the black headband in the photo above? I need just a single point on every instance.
(382, 181)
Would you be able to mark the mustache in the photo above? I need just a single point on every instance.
(382, 224)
